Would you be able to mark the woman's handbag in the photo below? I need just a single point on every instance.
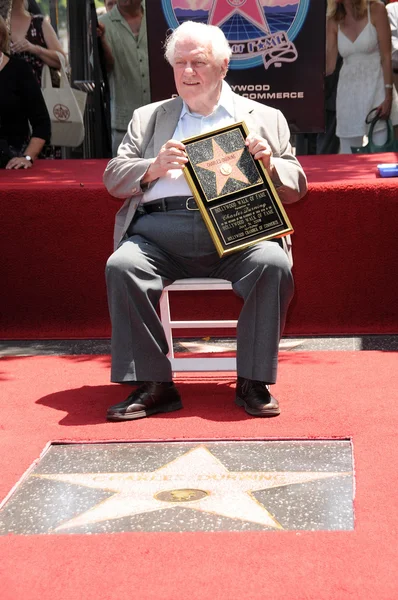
(66, 108)
(390, 145)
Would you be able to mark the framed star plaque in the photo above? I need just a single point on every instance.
(235, 195)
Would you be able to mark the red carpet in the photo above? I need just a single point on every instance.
(322, 394)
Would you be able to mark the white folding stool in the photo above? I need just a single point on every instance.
(194, 364)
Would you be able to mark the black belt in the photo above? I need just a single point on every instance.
(170, 203)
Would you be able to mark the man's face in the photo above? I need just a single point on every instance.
(197, 76)
(109, 4)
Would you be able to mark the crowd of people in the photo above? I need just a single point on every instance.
(359, 31)
(361, 38)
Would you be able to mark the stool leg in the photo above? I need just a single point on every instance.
(164, 307)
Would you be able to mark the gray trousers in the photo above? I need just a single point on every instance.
(163, 247)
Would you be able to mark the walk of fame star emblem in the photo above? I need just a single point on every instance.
(183, 486)
(221, 163)
(260, 32)
(224, 165)
(222, 10)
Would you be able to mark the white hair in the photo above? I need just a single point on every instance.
(207, 35)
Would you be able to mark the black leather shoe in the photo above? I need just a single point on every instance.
(255, 398)
(150, 398)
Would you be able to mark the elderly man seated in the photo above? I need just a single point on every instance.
(159, 238)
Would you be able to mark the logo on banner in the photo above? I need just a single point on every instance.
(260, 32)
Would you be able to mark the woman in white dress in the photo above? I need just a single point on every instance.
(359, 30)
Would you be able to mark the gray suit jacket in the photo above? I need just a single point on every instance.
(154, 124)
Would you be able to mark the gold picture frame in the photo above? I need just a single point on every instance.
(234, 193)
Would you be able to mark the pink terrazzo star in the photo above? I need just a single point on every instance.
(251, 10)
(224, 166)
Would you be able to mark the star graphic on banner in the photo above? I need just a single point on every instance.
(224, 165)
(196, 480)
(251, 10)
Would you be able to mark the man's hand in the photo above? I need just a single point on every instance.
(171, 156)
(261, 150)
(19, 162)
(384, 109)
(100, 30)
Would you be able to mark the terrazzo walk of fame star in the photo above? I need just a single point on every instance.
(224, 165)
(185, 486)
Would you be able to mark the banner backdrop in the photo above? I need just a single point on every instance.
(278, 51)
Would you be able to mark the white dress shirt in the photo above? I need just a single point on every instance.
(189, 125)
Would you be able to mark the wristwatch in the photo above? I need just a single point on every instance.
(28, 158)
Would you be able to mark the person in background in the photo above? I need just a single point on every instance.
(160, 235)
(392, 12)
(328, 142)
(122, 32)
(325, 142)
(359, 31)
(24, 120)
(34, 39)
(109, 4)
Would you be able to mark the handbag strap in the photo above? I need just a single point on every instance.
(46, 81)
(390, 132)
(64, 78)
